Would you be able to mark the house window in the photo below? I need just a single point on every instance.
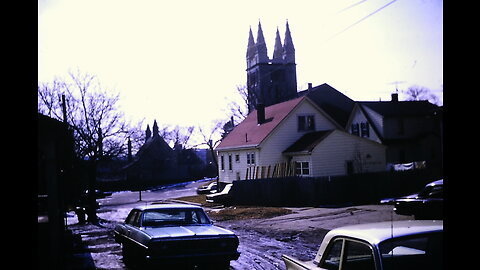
(355, 129)
(302, 168)
(237, 158)
(230, 162)
(306, 123)
(250, 158)
(222, 163)
(365, 129)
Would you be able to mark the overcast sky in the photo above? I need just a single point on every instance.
(179, 62)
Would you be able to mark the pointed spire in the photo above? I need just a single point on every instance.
(288, 48)
(155, 128)
(261, 46)
(278, 49)
(251, 45)
(148, 133)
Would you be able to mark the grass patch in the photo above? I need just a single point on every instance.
(236, 212)
(247, 212)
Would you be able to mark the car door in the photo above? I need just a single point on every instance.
(132, 222)
(348, 254)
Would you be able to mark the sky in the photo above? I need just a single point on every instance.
(180, 62)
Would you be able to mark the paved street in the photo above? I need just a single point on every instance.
(262, 241)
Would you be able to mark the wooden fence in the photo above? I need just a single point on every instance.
(353, 189)
(284, 169)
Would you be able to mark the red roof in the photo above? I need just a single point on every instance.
(249, 134)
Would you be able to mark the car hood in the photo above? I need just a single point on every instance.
(187, 231)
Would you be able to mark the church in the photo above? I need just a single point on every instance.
(270, 80)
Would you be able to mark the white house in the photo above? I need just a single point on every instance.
(294, 137)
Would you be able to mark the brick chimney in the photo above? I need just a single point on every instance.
(394, 97)
(260, 113)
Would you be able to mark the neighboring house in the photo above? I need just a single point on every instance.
(154, 161)
(296, 132)
(55, 190)
(410, 129)
(330, 100)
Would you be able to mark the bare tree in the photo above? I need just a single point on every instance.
(420, 93)
(240, 110)
(98, 126)
(211, 137)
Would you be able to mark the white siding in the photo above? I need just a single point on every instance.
(330, 156)
(287, 133)
(377, 120)
(358, 118)
(238, 168)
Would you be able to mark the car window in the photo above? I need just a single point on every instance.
(333, 255)
(423, 251)
(168, 217)
(132, 218)
(358, 255)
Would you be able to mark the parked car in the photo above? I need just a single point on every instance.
(174, 233)
(99, 194)
(223, 197)
(427, 204)
(210, 188)
(411, 244)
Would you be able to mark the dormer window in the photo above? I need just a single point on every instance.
(306, 123)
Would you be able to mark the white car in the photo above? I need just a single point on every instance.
(411, 244)
(223, 196)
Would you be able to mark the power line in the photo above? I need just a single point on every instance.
(362, 19)
(353, 5)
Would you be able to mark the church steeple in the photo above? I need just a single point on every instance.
(261, 46)
(155, 128)
(288, 48)
(278, 49)
(251, 45)
(270, 81)
(148, 133)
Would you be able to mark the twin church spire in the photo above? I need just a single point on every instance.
(257, 51)
(270, 81)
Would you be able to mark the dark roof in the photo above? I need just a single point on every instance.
(333, 102)
(155, 146)
(401, 108)
(308, 141)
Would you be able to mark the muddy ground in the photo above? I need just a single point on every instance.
(298, 232)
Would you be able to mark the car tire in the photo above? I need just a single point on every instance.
(132, 257)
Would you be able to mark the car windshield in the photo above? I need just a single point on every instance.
(422, 251)
(174, 217)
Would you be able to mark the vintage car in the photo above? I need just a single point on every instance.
(207, 189)
(179, 234)
(410, 244)
(427, 204)
(223, 197)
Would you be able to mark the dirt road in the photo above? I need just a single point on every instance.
(262, 241)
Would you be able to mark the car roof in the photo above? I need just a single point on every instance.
(375, 233)
(167, 206)
(436, 183)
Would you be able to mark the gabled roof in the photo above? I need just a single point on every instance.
(400, 108)
(333, 102)
(249, 134)
(308, 141)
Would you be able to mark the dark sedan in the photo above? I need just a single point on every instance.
(178, 234)
(427, 204)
